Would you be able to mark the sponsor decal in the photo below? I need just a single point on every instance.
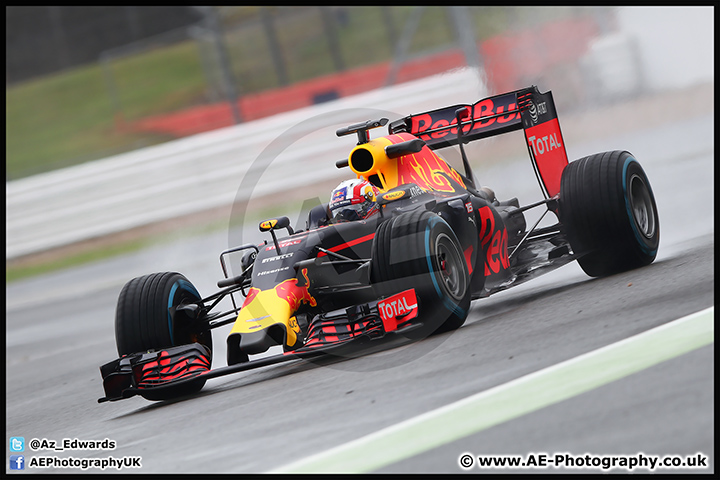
(341, 203)
(536, 110)
(295, 294)
(415, 191)
(495, 241)
(339, 199)
(278, 257)
(468, 207)
(545, 142)
(261, 309)
(446, 118)
(487, 108)
(276, 270)
(394, 195)
(397, 309)
(532, 110)
(286, 243)
(468, 258)
(541, 108)
(292, 323)
(268, 224)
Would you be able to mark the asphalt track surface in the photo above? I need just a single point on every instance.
(60, 330)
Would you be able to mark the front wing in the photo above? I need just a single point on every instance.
(151, 373)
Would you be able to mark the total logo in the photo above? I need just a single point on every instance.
(544, 144)
(286, 243)
(397, 309)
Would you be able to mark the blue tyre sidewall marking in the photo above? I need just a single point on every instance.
(446, 301)
(628, 207)
(184, 285)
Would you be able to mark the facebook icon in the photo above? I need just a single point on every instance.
(17, 462)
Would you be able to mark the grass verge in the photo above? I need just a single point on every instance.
(143, 237)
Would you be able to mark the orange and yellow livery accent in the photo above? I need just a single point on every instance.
(275, 306)
(425, 169)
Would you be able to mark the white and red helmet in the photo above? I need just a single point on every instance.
(353, 200)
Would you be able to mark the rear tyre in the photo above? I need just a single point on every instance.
(609, 213)
(146, 319)
(419, 250)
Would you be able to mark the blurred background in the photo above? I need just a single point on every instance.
(119, 118)
(84, 83)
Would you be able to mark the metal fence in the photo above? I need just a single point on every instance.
(279, 47)
(273, 49)
(235, 64)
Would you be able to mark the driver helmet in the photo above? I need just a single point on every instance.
(353, 200)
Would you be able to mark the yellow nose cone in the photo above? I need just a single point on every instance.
(265, 308)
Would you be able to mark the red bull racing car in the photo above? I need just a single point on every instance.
(402, 250)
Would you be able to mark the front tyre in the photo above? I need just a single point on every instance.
(609, 213)
(419, 250)
(147, 318)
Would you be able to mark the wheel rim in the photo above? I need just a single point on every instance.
(642, 206)
(183, 297)
(449, 267)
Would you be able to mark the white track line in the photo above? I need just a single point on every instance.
(513, 399)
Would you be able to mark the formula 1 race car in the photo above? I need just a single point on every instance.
(436, 242)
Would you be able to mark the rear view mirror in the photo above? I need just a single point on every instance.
(275, 224)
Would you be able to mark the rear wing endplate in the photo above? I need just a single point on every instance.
(526, 109)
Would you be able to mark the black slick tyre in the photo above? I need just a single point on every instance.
(419, 250)
(609, 213)
(146, 319)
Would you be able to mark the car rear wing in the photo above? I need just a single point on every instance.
(526, 109)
